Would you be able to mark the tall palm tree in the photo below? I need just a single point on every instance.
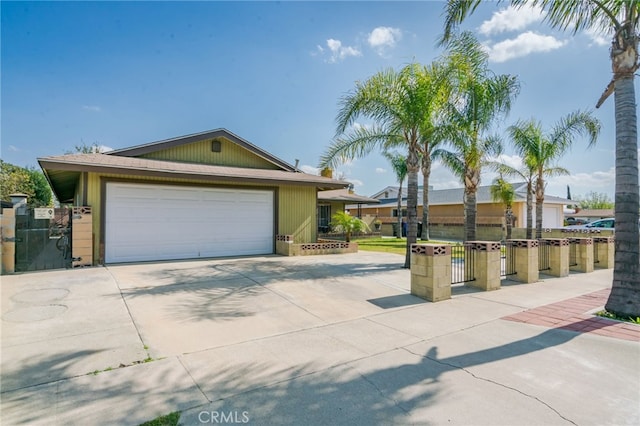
(528, 174)
(503, 192)
(399, 166)
(541, 150)
(478, 99)
(621, 18)
(398, 102)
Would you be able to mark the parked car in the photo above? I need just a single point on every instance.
(608, 223)
(576, 221)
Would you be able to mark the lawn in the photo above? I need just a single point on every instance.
(388, 245)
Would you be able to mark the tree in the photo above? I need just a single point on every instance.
(620, 18)
(398, 102)
(477, 100)
(344, 222)
(503, 192)
(83, 148)
(541, 150)
(595, 200)
(399, 166)
(28, 181)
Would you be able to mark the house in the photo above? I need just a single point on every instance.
(207, 194)
(330, 202)
(589, 215)
(446, 210)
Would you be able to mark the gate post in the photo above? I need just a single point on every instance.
(526, 260)
(558, 256)
(584, 254)
(8, 243)
(431, 271)
(82, 237)
(487, 265)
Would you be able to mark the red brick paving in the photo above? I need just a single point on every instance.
(571, 314)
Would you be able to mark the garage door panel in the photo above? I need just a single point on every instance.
(150, 222)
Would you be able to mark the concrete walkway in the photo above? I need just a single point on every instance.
(315, 340)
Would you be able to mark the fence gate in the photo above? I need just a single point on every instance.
(43, 239)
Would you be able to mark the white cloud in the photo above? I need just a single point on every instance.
(511, 19)
(92, 108)
(338, 51)
(104, 148)
(380, 170)
(597, 179)
(13, 148)
(310, 170)
(383, 38)
(599, 38)
(514, 161)
(523, 45)
(355, 182)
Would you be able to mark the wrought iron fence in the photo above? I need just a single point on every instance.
(596, 254)
(462, 264)
(544, 261)
(507, 259)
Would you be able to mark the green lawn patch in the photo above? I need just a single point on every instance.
(167, 420)
(388, 245)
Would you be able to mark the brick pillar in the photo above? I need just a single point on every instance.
(431, 271)
(284, 244)
(487, 265)
(82, 237)
(526, 260)
(8, 237)
(558, 256)
(584, 254)
(603, 252)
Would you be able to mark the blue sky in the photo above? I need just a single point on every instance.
(125, 73)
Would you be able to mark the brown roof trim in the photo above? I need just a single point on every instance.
(101, 163)
(196, 137)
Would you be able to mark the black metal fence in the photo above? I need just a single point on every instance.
(596, 254)
(507, 259)
(544, 260)
(462, 264)
(43, 243)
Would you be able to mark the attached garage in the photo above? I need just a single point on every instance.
(209, 194)
(162, 222)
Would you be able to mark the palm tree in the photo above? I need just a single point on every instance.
(478, 99)
(621, 18)
(344, 222)
(540, 150)
(503, 192)
(526, 173)
(399, 166)
(398, 103)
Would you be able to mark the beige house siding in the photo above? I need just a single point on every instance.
(200, 152)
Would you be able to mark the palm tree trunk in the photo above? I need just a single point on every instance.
(624, 299)
(413, 167)
(529, 211)
(471, 182)
(426, 174)
(399, 222)
(539, 205)
(509, 218)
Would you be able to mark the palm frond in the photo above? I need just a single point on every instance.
(357, 144)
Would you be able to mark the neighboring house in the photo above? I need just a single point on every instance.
(330, 202)
(589, 215)
(208, 194)
(446, 207)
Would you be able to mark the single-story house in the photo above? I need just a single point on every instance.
(589, 215)
(446, 207)
(333, 201)
(207, 194)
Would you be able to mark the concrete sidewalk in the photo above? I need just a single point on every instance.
(316, 340)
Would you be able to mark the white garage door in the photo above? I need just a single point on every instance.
(162, 222)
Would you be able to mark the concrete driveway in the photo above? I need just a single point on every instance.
(319, 340)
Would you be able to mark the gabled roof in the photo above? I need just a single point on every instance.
(146, 148)
(345, 196)
(455, 196)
